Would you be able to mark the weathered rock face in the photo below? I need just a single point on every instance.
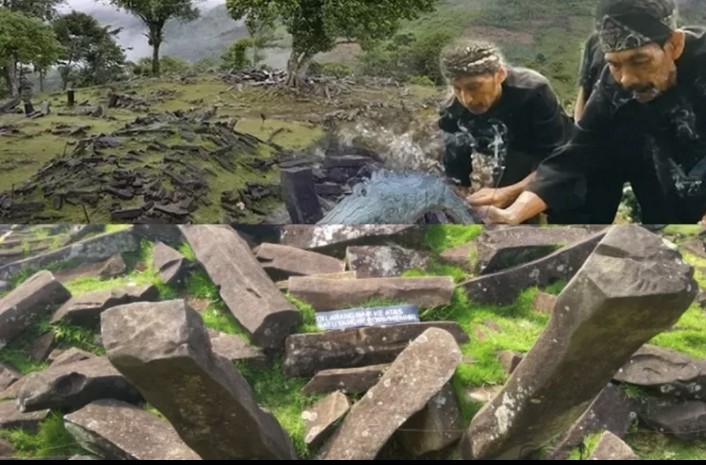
(619, 295)
(611, 447)
(85, 309)
(611, 411)
(436, 427)
(6, 449)
(108, 429)
(415, 377)
(322, 417)
(500, 249)
(281, 261)
(384, 261)
(92, 249)
(164, 349)
(247, 291)
(8, 375)
(284, 285)
(170, 264)
(37, 296)
(666, 371)
(332, 239)
(685, 420)
(68, 356)
(11, 417)
(307, 354)
(42, 347)
(463, 256)
(73, 385)
(235, 348)
(325, 294)
(114, 266)
(347, 380)
(544, 302)
(503, 287)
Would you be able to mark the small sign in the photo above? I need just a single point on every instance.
(374, 316)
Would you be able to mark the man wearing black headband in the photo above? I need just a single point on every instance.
(653, 95)
(499, 124)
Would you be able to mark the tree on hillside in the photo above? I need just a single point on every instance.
(317, 26)
(92, 55)
(25, 40)
(44, 9)
(155, 14)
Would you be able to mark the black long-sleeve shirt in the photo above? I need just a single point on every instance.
(667, 137)
(525, 126)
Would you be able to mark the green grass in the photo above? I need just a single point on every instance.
(51, 440)
(590, 443)
(216, 316)
(67, 336)
(25, 273)
(445, 236)
(187, 252)
(682, 231)
(439, 269)
(308, 315)
(110, 228)
(649, 445)
(19, 359)
(282, 396)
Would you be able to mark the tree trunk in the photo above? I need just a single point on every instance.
(297, 66)
(8, 79)
(156, 71)
(42, 75)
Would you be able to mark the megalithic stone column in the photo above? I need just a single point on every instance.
(163, 349)
(632, 287)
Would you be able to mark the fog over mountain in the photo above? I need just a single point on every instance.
(207, 36)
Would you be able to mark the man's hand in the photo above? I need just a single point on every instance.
(492, 215)
(486, 196)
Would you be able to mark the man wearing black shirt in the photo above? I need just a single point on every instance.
(501, 122)
(592, 64)
(652, 94)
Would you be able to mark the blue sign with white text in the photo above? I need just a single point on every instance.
(374, 316)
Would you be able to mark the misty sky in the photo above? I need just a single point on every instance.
(132, 36)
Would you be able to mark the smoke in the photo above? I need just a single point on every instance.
(417, 148)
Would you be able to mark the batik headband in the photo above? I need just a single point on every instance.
(633, 30)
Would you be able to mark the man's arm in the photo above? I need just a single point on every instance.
(550, 126)
(500, 197)
(580, 104)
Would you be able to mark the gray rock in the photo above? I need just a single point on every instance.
(8, 375)
(235, 348)
(37, 296)
(247, 291)
(307, 354)
(435, 428)
(503, 287)
(326, 294)
(113, 267)
(611, 411)
(544, 302)
(666, 371)
(384, 261)
(69, 356)
(414, 378)
(611, 447)
(282, 261)
(346, 380)
(108, 429)
(85, 309)
(73, 385)
(164, 349)
(11, 417)
(42, 347)
(685, 420)
(322, 418)
(621, 285)
(170, 264)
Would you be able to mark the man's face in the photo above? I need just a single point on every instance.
(647, 71)
(479, 93)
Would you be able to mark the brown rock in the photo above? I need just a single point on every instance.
(235, 348)
(8, 375)
(384, 261)
(347, 380)
(113, 267)
(611, 447)
(281, 261)
(325, 294)
(6, 449)
(170, 264)
(85, 309)
(69, 356)
(37, 296)
(247, 291)
(685, 420)
(11, 417)
(503, 287)
(306, 354)
(415, 377)
(463, 256)
(107, 428)
(322, 418)
(620, 286)
(163, 348)
(509, 360)
(284, 285)
(42, 346)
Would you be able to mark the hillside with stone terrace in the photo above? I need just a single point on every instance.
(210, 342)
